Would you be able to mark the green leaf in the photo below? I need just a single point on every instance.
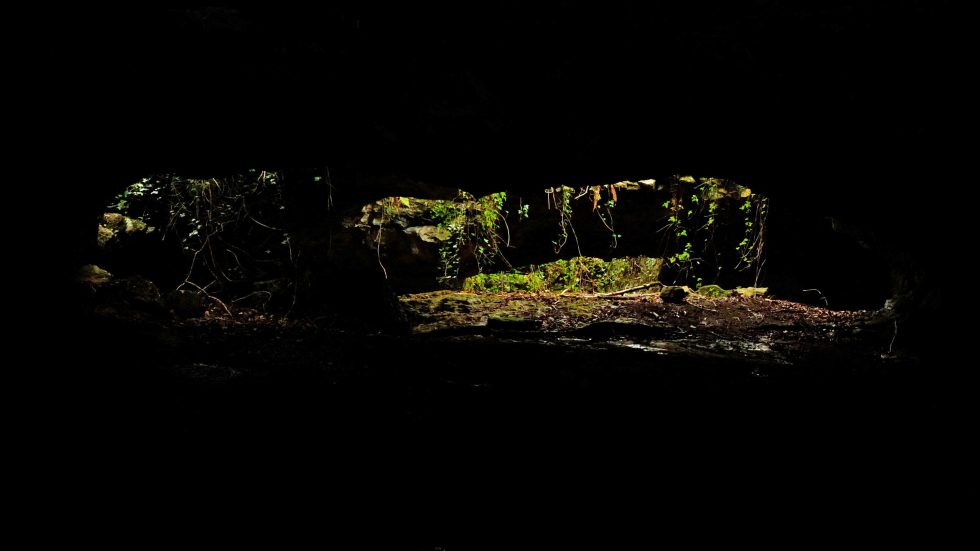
(405, 201)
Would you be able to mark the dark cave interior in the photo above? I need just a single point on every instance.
(841, 113)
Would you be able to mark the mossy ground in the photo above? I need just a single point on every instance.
(581, 274)
(730, 316)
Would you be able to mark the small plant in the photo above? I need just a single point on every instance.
(522, 212)
(232, 229)
(475, 225)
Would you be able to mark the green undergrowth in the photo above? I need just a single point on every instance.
(580, 274)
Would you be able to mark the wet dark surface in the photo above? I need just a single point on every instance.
(458, 421)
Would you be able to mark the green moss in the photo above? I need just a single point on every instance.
(504, 282)
(580, 274)
(113, 224)
(105, 236)
(751, 291)
(136, 225)
(713, 291)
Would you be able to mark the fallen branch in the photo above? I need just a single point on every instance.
(207, 295)
(621, 297)
(630, 290)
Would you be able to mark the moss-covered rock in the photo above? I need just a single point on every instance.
(115, 228)
(713, 291)
(505, 282)
(749, 292)
(580, 274)
(93, 275)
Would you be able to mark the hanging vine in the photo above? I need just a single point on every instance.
(473, 224)
(696, 209)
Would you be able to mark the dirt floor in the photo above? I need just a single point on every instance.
(767, 330)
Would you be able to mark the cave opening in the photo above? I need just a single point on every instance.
(268, 305)
(265, 242)
(255, 277)
(602, 286)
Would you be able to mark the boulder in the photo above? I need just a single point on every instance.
(673, 295)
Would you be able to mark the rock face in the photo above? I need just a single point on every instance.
(560, 238)
(397, 236)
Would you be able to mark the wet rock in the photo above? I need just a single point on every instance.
(618, 328)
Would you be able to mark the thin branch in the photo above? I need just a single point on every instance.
(253, 293)
(575, 235)
(378, 242)
(621, 297)
(895, 336)
(264, 225)
(208, 295)
(630, 290)
(506, 227)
